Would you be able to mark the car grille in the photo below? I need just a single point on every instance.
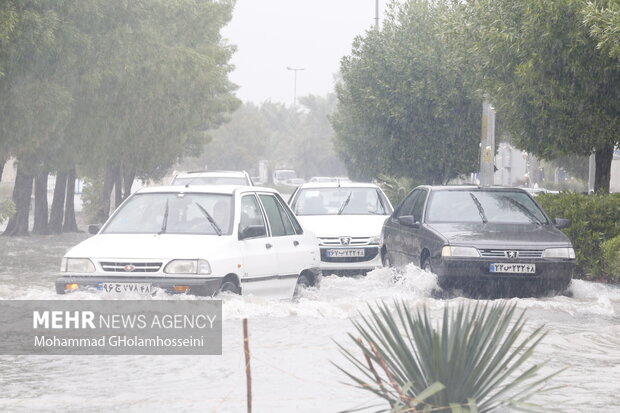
(353, 241)
(505, 253)
(110, 266)
(369, 254)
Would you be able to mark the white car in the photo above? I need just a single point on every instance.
(212, 178)
(347, 219)
(199, 240)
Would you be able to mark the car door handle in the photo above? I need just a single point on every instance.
(268, 246)
(295, 243)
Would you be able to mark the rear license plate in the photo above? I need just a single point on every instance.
(119, 288)
(513, 268)
(345, 253)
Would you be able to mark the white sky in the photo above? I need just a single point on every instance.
(311, 34)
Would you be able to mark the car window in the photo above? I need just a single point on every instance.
(418, 206)
(250, 213)
(340, 201)
(278, 220)
(406, 206)
(173, 213)
(480, 206)
(291, 216)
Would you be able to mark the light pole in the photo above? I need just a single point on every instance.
(295, 70)
(377, 14)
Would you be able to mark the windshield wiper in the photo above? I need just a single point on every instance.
(164, 222)
(480, 209)
(345, 203)
(210, 219)
(525, 210)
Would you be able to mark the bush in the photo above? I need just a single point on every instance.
(474, 360)
(594, 219)
(611, 257)
(7, 209)
(395, 188)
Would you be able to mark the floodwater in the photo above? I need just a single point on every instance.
(292, 346)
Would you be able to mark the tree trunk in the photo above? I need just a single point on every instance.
(70, 224)
(58, 201)
(2, 162)
(111, 172)
(604, 156)
(22, 191)
(40, 204)
(129, 174)
(118, 188)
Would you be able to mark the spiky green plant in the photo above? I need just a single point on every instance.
(474, 361)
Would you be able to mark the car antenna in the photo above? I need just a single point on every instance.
(338, 182)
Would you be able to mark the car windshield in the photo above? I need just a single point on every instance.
(159, 213)
(210, 180)
(483, 206)
(340, 201)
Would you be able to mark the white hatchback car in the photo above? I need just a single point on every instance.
(199, 240)
(347, 219)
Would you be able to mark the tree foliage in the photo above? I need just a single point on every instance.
(127, 87)
(404, 107)
(545, 75)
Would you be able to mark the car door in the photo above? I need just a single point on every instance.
(396, 236)
(289, 246)
(415, 234)
(260, 263)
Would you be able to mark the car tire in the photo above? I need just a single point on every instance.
(229, 287)
(303, 282)
(385, 260)
(426, 265)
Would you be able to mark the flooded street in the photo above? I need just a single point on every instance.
(292, 346)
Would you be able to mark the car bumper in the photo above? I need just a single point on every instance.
(474, 277)
(350, 265)
(177, 285)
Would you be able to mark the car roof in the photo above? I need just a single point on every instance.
(342, 184)
(195, 174)
(211, 189)
(470, 188)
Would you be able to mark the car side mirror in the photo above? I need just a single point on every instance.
(561, 223)
(93, 228)
(252, 231)
(408, 221)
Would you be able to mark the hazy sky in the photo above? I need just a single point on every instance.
(311, 34)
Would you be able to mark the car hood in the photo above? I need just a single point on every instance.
(343, 225)
(496, 235)
(150, 246)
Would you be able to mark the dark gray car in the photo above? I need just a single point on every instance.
(483, 241)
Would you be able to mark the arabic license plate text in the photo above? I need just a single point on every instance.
(513, 268)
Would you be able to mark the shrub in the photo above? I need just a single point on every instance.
(594, 219)
(395, 188)
(7, 209)
(475, 360)
(611, 257)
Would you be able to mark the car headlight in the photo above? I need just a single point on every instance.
(188, 267)
(374, 240)
(567, 253)
(77, 265)
(450, 251)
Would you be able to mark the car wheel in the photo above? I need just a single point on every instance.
(426, 265)
(230, 287)
(385, 260)
(303, 282)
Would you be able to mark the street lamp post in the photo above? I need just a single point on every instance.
(295, 70)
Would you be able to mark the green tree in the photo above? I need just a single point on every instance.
(603, 20)
(545, 75)
(404, 108)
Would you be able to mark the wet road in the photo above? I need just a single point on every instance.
(292, 347)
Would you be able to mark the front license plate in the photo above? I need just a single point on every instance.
(514, 268)
(342, 253)
(119, 288)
